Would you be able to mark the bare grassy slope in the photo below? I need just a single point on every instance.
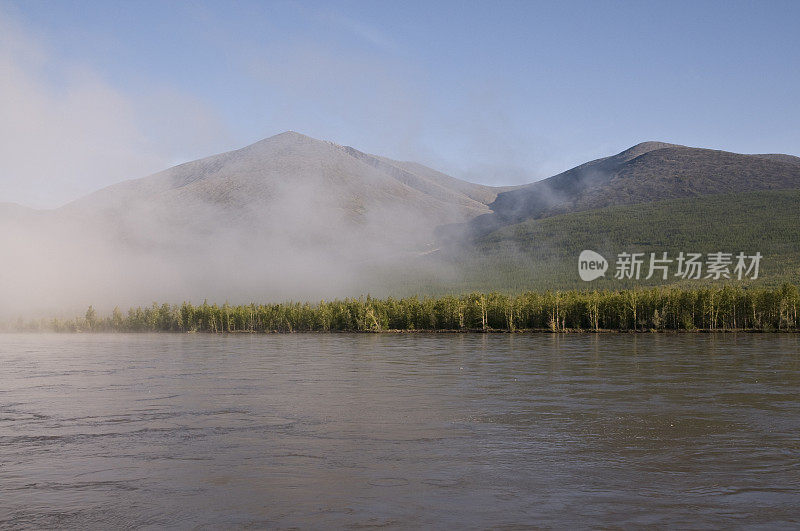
(292, 181)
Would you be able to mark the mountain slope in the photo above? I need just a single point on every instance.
(651, 171)
(294, 159)
(291, 183)
(295, 217)
(542, 253)
(289, 216)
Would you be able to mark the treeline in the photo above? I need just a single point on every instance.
(725, 308)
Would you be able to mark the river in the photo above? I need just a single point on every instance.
(416, 430)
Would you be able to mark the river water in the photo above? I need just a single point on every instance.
(416, 430)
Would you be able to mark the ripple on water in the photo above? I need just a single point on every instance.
(407, 431)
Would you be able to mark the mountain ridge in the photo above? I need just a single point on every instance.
(294, 217)
(500, 199)
(263, 152)
(646, 172)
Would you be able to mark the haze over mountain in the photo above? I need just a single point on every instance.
(289, 216)
(295, 217)
(291, 185)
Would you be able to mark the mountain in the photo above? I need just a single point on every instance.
(295, 217)
(289, 216)
(289, 185)
(647, 172)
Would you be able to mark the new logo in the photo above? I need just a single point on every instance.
(591, 265)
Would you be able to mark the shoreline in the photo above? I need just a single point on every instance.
(492, 331)
(724, 308)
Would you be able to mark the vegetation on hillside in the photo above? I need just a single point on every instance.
(719, 308)
(543, 254)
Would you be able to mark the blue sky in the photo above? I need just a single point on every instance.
(493, 92)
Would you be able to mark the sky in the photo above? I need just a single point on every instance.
(92, 93)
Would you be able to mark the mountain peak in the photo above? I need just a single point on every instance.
(653, 144)
(287, 139)
(291, 135)
(644, 147)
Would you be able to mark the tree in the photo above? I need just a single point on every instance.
(91, 318)
(117, 320)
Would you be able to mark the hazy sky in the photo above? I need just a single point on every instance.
(92, 93)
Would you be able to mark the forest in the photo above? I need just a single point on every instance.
(724, 308)
(540, 254)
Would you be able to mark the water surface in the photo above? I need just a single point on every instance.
(458, 431)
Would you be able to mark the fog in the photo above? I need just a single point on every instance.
(287, 218)
(259, 227)
(66, 131)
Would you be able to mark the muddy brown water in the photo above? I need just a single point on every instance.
(447, 431)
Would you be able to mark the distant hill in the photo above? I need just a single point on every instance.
(289, 216)
(292, 217)
(294, 186)
(647, 172)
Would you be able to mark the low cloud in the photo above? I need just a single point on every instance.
(66, 131)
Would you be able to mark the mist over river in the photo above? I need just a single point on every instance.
(414, 430)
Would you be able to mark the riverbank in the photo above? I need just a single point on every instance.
(722, 309)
